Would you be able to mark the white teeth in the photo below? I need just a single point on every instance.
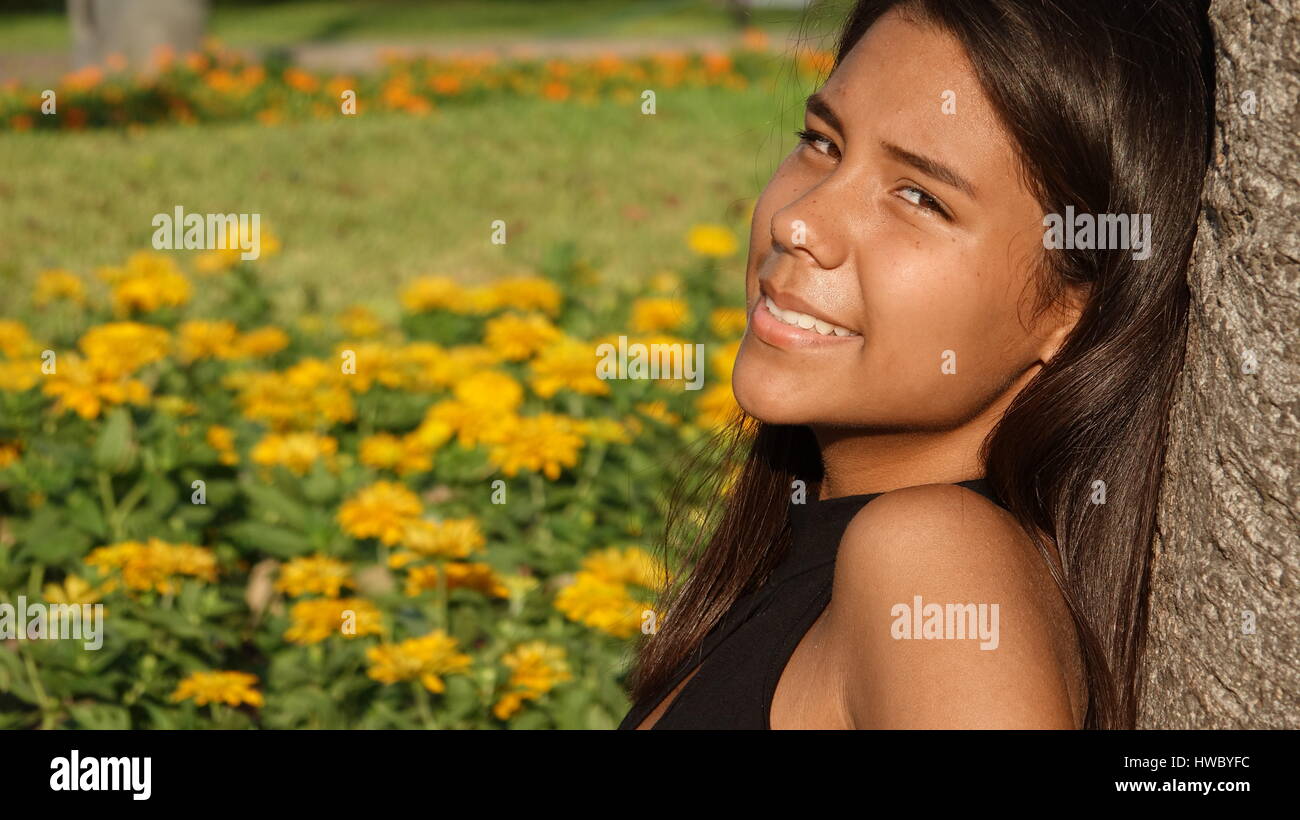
(803, 320)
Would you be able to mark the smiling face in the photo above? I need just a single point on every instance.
(896, 242)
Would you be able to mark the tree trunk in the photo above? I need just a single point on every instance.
(1222, 649)
(133, 29)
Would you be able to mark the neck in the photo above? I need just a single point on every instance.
(864, 460)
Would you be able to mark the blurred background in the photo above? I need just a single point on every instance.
(367, 479)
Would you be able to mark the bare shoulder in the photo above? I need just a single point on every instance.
(944, 615)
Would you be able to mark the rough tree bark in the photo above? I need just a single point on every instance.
(1222, 650)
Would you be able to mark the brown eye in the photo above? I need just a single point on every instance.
(819, 142)
(921, 199)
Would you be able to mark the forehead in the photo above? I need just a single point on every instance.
(912, 84)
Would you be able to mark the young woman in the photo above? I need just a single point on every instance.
(955, 390)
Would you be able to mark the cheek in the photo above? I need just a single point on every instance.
(939, 325)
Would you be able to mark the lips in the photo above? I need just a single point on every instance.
(786, 321)
(804, 320)
(793, 310)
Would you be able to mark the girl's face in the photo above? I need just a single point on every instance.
(897, 246)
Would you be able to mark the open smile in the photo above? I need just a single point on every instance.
(786, 327)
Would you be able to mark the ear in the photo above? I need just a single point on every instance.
(1060, 319)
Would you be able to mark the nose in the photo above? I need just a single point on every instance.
(808, 226)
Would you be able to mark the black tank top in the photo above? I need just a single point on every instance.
(741, 660)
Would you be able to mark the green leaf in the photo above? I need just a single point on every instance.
(49, 537)
(86, 514)
(115, 449)
(461, 697)
(100, 716)
(277, 505)
(269, 539)
(320, 486)
(530, 719)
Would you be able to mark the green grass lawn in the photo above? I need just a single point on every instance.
(335, 20)
(363, 204)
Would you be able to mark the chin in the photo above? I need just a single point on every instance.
(770, 400)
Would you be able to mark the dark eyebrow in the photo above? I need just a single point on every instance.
(930, 168)
(816, 104)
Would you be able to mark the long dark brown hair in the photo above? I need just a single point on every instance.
(1109, 105)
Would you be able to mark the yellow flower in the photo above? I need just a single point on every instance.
(382, 450)
(472, 424)
(155, 563)
(413, 367)
(371, 362)
(360, 322)
(222, 439)
(128, 346)
(545, 443)
(425, 659)
(319, 574)
(459, 363)
(430, 435)
(309, 394)
(451, 538)
(536, 668)
(316, 619)
(717, 407)
(295, 451)
(56, 285)
(711, 240)
(383, 510)
(218, 260)
(528, 293)
(15, 340)
(650, 315)
(207, 340)
(230, 688)
(481, 299)
(490, 389)
(474, 575)
(600, 604)
(568, 364)
(20, 375)
(261, 342)
(84, 386)
(626, 566)
(147, 282)
(517, 337)
(665, 282)
(727, 322)
(74, 590)
(723, 360)
(430, 293)
(9, 453)
(658, 410)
